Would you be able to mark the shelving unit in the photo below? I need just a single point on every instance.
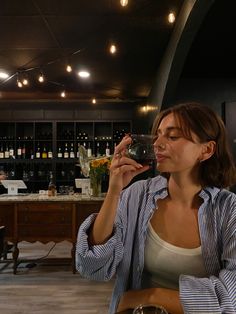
(21, 143)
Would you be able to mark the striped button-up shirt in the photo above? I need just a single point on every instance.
(122, 255)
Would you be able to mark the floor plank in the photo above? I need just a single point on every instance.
(49, 288)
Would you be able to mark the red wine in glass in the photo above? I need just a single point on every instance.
(141, 149)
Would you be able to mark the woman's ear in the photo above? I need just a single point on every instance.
(208, 149)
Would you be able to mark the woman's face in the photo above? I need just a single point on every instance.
(174, 152)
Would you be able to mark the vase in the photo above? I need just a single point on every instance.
(96, 186)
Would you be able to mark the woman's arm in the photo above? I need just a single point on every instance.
(122, 171)
(167, 298)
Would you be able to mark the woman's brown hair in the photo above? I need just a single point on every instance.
(219, 170)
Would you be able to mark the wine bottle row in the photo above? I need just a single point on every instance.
(44, 151)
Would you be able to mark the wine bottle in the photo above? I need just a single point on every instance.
(19, 152)
(11, 151)
(66, 153)
(98, 150)
(77, 153)
(44, 153)
(6, 153)
(72, 153)
(50, 153)
(108, 153)
(89, 151)
(23, 152)
(38, 153)
(1, 152)
(51, 186)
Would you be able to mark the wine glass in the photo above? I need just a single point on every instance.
(149, 309)
(141, 149)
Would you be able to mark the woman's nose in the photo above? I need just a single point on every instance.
(159, 143)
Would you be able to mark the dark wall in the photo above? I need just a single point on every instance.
(212, 92)
(46, 110)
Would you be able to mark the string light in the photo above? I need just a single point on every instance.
(171, 17)
(41, 77)
(19, 84)
(25, 81)
(112, 48)
(4, 75)
(84, 74)
(68, 68)
(124, 3)
(63, 94)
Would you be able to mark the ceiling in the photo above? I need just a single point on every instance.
(43, 35)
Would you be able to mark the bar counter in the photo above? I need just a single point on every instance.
(36, 217)
(31, 197)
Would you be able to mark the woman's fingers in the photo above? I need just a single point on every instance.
(120, 161)
(121, 148)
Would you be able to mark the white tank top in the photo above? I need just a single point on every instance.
(164, 262)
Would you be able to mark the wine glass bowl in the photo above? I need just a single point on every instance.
(149, 309)
(141, 149)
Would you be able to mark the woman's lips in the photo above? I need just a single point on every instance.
(160, 157)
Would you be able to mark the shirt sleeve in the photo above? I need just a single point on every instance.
(216, 294)
(100, 262)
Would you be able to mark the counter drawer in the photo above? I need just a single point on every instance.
(44, 219)
(38, 232)
(44, 206)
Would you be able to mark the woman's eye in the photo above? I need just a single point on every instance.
(173, 138)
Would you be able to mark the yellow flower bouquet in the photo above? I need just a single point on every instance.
(98, 168)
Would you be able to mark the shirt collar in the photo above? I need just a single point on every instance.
(158, 186)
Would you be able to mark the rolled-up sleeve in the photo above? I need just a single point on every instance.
(98, 262)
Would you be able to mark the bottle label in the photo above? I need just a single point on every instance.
(49, 154)
(37, 155)
(59, 155)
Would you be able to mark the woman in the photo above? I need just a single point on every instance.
(170, 240)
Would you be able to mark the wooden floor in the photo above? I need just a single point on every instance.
(49, 288)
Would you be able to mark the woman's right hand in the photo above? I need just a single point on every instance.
(123, 169)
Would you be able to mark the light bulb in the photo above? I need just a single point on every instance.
(84, 74)
(41, 78)
(25, 82)
(4, 75)
(171, 17)
(113, 49)
(19, 84)
(68, 68)
(63, 94)
(94, 101)
(124, 3)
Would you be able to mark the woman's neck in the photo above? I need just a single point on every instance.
(183, 190)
